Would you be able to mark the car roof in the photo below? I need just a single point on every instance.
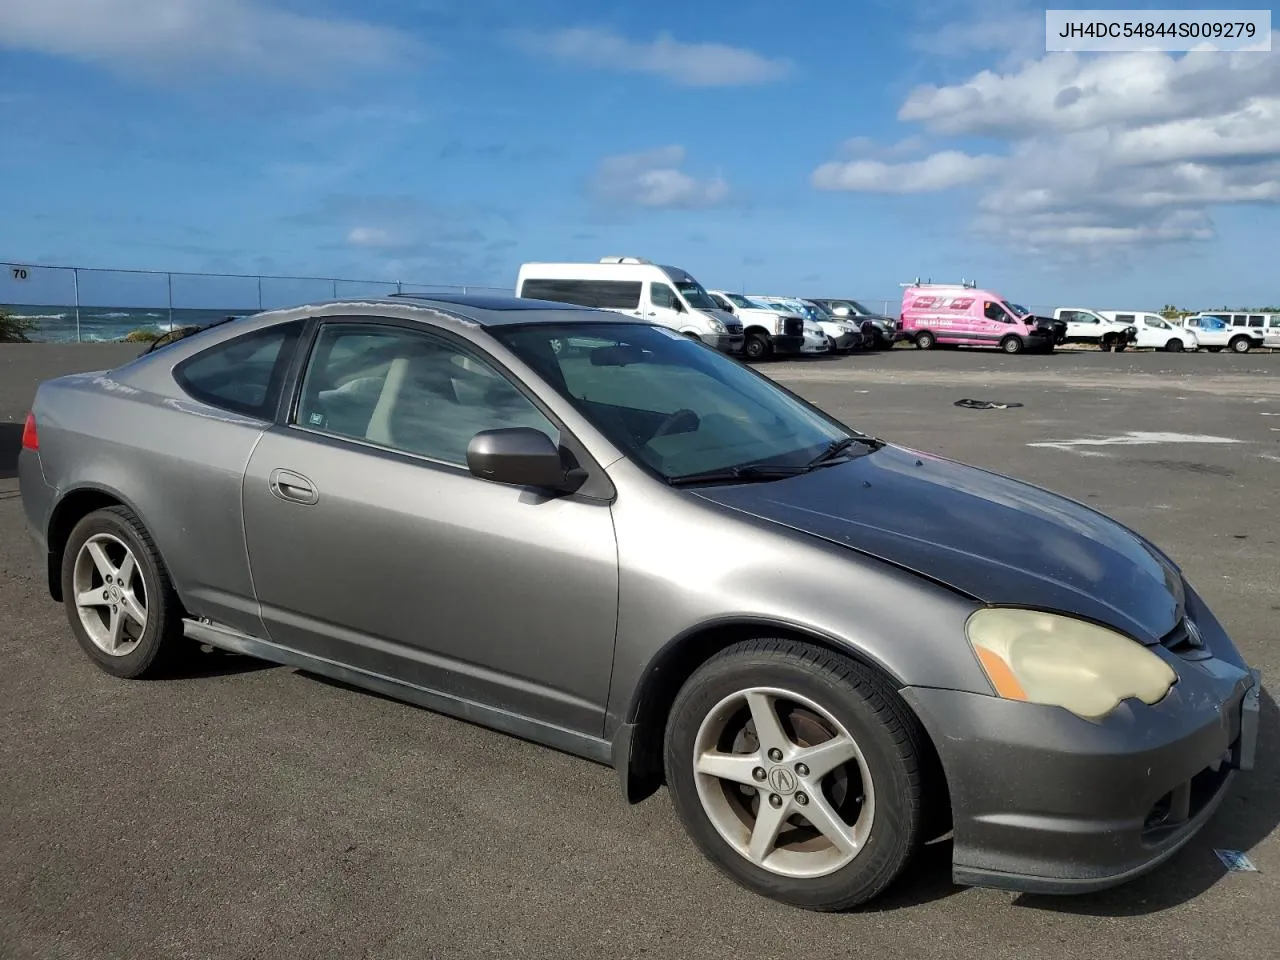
(490, 310)
(482, 310)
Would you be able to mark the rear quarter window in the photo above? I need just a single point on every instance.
(244, 375)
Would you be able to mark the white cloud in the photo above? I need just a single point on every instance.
(376, 238)
(941, 171)
(1005, 28)
(1064, 92)
(690, 64)
(1100, 152)
(653, 179)
(156, 36)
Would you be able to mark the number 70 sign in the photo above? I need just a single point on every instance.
(19, 273)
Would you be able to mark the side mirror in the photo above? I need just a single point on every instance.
(522, 457)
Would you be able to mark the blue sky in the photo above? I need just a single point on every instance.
(816, 148)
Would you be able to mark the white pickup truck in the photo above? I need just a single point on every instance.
(768, 332)
(1218, 330)
(1089, 326)
(1155, 331)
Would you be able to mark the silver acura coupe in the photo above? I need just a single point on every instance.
(598, 534)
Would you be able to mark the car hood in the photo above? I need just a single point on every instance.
(995, 539)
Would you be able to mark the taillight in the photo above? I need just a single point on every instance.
(30, 439)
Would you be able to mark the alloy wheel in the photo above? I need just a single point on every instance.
(110, 594)
(783, 782)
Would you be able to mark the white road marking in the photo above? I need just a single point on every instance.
(1133, 439)
(1269, 456)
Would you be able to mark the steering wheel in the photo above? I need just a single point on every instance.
(682, 421)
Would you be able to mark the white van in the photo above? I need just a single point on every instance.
(638, 288)
(1154, 331)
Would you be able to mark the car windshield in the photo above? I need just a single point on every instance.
(738, 300)
(853, 305)
(673, 405)
(818, 311)
(1017, 309)
(694, 295)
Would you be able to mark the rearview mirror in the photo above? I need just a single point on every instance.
(522, 457)
(618, 356)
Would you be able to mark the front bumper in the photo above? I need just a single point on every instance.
(847, 341)
(786, 344)
(725, 343)
(1045, 802)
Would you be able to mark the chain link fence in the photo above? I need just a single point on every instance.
(87, 304)
(84, 304)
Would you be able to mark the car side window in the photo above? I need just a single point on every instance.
(408, 391)
(244, 375)
(660, 295)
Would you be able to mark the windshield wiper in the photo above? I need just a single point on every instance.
(760, 472)
(751, 473)
(837, 447)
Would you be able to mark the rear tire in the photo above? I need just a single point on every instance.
(756, 347)
(122, 606)
(872, 800)
(925, 340)
(1011, 344)
(1174, 345)
(1214, 349)
(1241, 345)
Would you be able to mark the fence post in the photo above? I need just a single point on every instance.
(169, 277)
(75, 283)
(259, 293)
(399, 287)
(335, 289)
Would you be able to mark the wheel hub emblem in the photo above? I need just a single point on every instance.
(782, 780)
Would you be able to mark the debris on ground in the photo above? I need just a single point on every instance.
(985, 404)
(1236, 861)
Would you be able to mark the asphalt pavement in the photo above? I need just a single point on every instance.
(245, 810)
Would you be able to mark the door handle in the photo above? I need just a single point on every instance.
(293, 487)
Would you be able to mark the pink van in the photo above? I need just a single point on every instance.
(934, 313)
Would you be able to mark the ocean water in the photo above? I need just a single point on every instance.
(56, 324)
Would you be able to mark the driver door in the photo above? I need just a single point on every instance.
(664, 306)
(372, 545)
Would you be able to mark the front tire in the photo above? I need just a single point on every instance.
(797, 772)
(1011, 344)
(1241, 345)
(1174, 345)
(756, 347)
(121, 604)
(925, 340)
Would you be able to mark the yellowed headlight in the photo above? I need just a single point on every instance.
(1059, 661)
